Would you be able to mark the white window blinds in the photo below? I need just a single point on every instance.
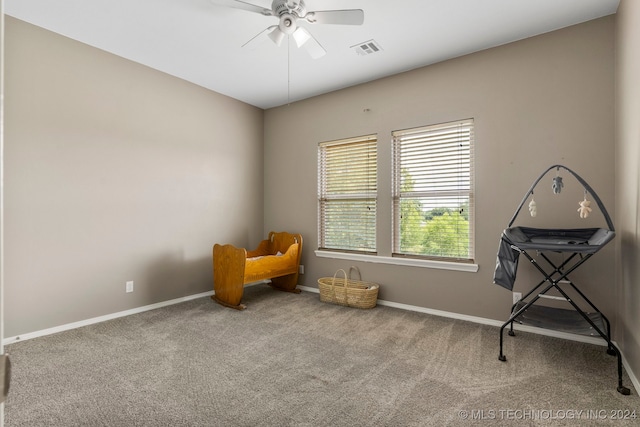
(347, 194)
(433, 200)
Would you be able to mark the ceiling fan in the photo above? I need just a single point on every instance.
(289, 12)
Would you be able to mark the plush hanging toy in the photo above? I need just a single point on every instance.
(584, 208)
(533, 209)
(557, 185)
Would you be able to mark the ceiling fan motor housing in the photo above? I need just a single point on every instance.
(287, 23)
(296, 8)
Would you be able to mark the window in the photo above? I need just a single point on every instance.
(347, 194)
(433, 200)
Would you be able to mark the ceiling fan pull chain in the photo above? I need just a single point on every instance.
(288, 70)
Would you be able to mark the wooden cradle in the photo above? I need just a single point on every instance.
(276, 258)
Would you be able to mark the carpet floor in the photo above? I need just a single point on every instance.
(290, 360)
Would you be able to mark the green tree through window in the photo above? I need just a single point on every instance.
(441, 231)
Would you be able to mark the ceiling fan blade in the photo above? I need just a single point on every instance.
(313, 47)
(258, 39)
(338, 17)
(238, 4)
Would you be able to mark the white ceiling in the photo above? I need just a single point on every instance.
(201, 43)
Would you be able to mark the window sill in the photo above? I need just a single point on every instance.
(409, 262)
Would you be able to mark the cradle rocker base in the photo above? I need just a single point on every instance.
(293, 291)
(286, 283)
(276, 259)
(226, 304)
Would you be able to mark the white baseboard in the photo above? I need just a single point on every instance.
(498, 323)
(484, 321)
(448, 314)
(74, 325)
(79, 324)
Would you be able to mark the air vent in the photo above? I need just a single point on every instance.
(367, 48)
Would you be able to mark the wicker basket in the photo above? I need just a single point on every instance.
(348, 292)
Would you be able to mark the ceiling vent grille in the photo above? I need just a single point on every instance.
(367, 48)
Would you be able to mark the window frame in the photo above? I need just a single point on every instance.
(351, 196)
(428, 140)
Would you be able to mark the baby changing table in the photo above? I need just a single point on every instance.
(578, 245)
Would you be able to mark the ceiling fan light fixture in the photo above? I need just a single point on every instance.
(277, 36)
(301, 36)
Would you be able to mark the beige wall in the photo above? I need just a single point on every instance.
(116, 172)
(536, 102)
(628, 178)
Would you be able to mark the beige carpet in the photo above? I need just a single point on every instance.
(290, 360)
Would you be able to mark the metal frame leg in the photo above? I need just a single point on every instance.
(553, 284)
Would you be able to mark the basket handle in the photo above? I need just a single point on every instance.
(333, 282)
(353, 267)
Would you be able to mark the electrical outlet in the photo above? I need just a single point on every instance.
(517, 296)
(301, 269)
(129, 286)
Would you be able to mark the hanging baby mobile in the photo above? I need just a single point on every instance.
(584, 210)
